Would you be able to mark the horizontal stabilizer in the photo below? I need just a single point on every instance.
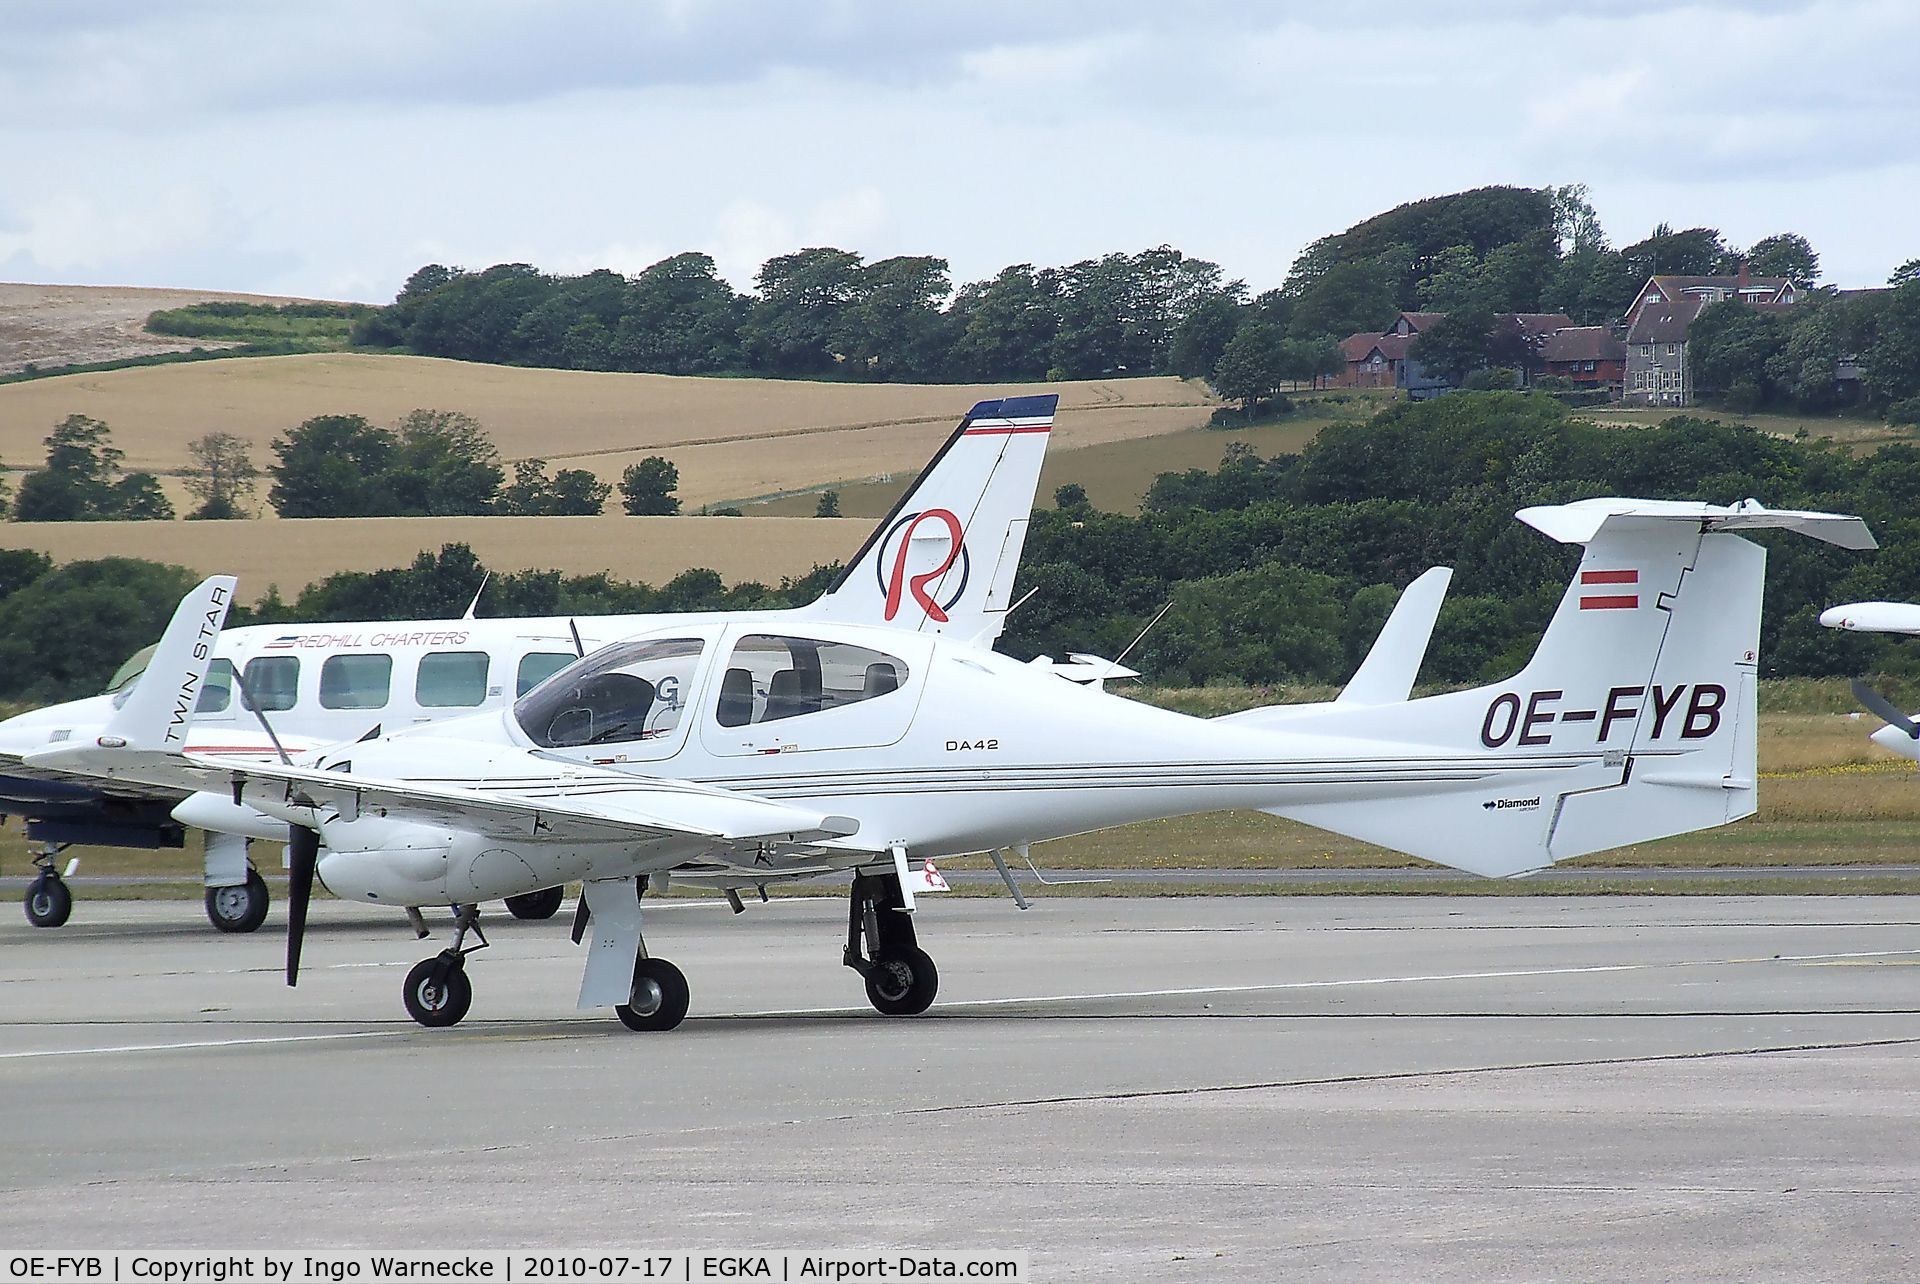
(1580, 521)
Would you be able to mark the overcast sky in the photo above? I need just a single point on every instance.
(329, 149)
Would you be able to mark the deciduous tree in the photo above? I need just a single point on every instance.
(646, 488)
(222, 476)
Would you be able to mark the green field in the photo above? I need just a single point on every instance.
(288, 327)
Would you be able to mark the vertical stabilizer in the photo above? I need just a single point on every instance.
(943, 561)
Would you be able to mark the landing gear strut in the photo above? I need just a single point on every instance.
(646, 993)
(48, 902)
(901, 978)
(438, 991)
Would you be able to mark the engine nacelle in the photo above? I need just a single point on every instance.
(219, 815)
(387, 862)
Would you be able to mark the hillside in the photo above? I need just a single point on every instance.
(294, 553)
(733, 439)
(62, 325)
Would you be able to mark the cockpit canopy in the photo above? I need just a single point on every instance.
(633, 690)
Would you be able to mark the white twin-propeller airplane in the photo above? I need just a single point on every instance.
(941, 563)
(740, 751)
(1902, 733)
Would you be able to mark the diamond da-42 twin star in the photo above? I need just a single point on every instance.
(814, 748)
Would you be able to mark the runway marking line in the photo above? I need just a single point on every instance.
(1272, 986)
(1182, 992)
(199, 1043)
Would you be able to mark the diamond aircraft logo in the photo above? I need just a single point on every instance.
(900, 579)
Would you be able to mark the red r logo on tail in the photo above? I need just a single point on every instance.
(900, 583)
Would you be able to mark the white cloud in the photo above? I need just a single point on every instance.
(333, 148)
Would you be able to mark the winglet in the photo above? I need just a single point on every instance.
(1386, 676)
(159, 709)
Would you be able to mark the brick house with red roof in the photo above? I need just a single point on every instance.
(1592, 355)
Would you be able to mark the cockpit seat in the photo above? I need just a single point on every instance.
(736, 698)
(882, 677)
(788, 697)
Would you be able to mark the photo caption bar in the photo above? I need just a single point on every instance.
(628, 1265)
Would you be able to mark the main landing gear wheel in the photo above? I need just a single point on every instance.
(544, 904)
(659, 1000)
(884, 949)
(438, 991)
(902, 982)
(48, 902)
(241, 907)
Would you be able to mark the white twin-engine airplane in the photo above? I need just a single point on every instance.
(941, 563)
(806, 747)
(1902, 733)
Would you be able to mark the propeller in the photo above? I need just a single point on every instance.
(1884, 709)
(303, 852)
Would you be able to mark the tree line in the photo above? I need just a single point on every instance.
(1756, 359)
(1278, 570)
(431, 463)
(827, 312)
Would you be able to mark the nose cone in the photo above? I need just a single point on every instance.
(1837, 617)
(1897, 740)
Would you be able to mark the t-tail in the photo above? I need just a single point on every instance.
(1634, 720)
(943, 561)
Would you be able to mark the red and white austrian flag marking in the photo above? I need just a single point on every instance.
(1609, 590)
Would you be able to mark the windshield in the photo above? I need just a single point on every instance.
(629, 691)
(122, 685)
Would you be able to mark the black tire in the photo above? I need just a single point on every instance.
(440, 1005)
(240, 908)
(902, 982)
(543, 904)
(660, 994)
(48, 902)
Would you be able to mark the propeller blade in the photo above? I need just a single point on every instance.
(1884, 709)
(303, 849)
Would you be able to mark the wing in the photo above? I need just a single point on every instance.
(515, 794)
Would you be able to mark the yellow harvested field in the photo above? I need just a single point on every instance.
(60, 325)
(732, 439)
(295, 553)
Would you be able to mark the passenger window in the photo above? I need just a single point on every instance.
(769, 678)
(630, 691)
(538, 667)
(451, 680)
(355, 681)
(217, 694)
(274, 681)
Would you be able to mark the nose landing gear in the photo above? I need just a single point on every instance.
(438, 991)
(48, 901)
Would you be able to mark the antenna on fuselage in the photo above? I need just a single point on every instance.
(474, 605)
(579, 647)
(1115, 662)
